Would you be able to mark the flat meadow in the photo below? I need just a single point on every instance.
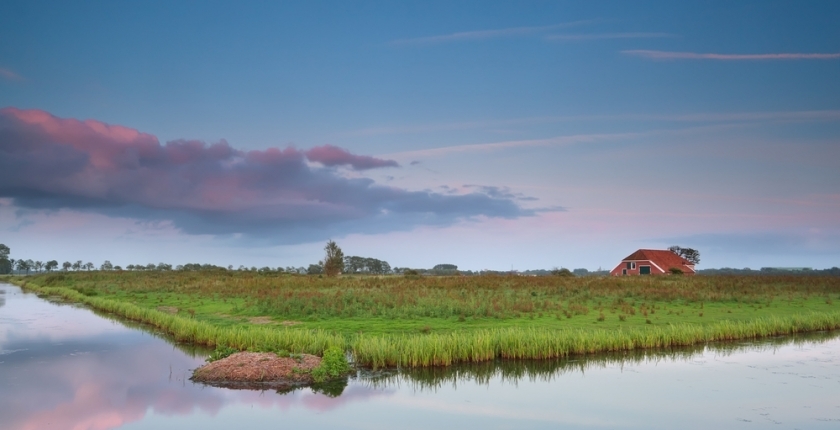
(430, 320)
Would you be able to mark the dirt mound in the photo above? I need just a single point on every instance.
(168, 309)
(257, 369)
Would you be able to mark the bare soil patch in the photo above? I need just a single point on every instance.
(258, 370)
(290, 323)
(260, 320)
(168, 309)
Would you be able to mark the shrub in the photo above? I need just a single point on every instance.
(564, 272)
(333, 364)
(675, 271)
(220, 353)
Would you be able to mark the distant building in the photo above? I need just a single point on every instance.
(652, 262)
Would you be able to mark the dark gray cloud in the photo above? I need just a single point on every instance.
(51, 163)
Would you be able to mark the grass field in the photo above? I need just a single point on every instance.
(424, 321)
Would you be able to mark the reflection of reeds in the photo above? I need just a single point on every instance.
(514, 371)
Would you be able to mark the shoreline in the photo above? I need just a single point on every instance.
(442, 349)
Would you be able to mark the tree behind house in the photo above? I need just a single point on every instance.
(692, 255)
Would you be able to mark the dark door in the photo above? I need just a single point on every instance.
(644, 270)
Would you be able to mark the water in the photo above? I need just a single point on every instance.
(65, 367)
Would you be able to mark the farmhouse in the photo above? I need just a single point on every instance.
(652, 262)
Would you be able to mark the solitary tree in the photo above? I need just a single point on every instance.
(106, 266)
(333, 262)
(5, 264)
(51, 265)
(67, 265)
(689, 254)
(77, 265)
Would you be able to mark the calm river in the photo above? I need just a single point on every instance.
(66, 367)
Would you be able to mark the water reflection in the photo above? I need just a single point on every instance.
(64, 367)
(514, 371)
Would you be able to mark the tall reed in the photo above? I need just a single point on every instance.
(422, 350)
(190, 330)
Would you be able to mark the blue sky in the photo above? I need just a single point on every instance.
(503, 134)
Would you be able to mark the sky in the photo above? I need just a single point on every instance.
(490, 135)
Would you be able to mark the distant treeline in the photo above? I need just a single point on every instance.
(834, 271)
(451, 269)
(355, 265)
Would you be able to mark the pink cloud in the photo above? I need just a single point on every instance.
(48, 162)
(10, 75)
(670, 55)
(329, 155)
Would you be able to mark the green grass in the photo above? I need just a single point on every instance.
(394, 321)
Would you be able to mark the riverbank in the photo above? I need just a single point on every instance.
(538, 317)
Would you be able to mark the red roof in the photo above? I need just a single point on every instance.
(663, 259)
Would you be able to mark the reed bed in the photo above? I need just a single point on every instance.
(307, 298)
(412, 350)
(254, 338)
(444, 349)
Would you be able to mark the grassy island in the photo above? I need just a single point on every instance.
(428, 321)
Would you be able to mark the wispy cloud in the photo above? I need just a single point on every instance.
(672, 55)
(9, 74)
(495, 146)
(562, 140)
(813, 115)
(484, 34)
(604, 36)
